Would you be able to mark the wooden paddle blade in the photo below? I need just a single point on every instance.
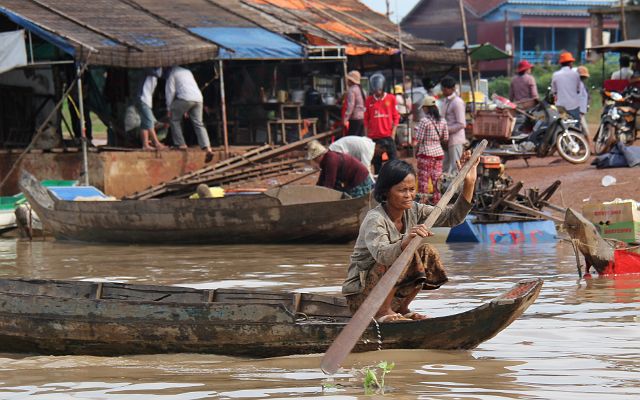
(349, 336)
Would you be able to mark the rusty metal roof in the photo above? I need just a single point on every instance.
(142, 33)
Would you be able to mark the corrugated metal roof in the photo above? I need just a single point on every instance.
(113, 32)
(143, 33)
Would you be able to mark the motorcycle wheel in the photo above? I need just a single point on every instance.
(604, 137)
(573, 147)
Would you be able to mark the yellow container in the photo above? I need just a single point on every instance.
(466, 96)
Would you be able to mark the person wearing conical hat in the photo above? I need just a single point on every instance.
(566, 86)
(339, 171)
(583, 72)
(523, 85)
(354, 112)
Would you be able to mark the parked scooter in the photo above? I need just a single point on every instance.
(618, 119)
(541, 131)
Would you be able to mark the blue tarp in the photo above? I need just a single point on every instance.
(50, 37)
(250, 43)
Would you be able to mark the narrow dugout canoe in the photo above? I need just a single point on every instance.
(69, 317)
(309, 214)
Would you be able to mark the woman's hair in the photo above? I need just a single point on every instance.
(392, 173)
(433, 112)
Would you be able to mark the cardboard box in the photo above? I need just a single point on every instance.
(619, 221)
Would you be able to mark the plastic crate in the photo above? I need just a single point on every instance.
(493, 124)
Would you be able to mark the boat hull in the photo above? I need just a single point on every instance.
(289, 214)
(58, 317)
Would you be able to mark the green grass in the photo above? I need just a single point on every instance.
(99, 129)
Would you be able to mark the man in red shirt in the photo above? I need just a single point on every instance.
(339, 171)
(381, 119)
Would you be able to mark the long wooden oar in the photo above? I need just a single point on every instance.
(342, 346)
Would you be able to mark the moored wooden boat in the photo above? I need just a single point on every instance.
(69, 317)
(308, 214)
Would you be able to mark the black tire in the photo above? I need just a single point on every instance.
(573, 147)
(603, 139)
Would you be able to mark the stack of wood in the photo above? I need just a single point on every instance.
(258, 163)
(510, 204)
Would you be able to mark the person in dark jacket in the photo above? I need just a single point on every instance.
(339, 171)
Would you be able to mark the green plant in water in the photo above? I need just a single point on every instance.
(371, 382)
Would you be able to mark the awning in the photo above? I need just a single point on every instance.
(629, 46)
(251, 43)
(487, 52)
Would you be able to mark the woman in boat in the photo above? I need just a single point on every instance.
(387, 230)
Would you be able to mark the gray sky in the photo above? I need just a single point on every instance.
(404, 6)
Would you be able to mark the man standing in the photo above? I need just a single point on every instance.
(454, 113)
(381, 118)
(339, 171)
(145, 108)
(624, 72)
(523, 86)
(566, 86)
(184, 96)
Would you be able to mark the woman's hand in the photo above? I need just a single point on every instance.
(417, 230)
(471, 177)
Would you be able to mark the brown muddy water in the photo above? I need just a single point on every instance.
(581, 339)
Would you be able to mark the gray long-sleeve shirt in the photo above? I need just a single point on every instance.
(379, 241)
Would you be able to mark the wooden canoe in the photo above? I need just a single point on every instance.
(71, 317)
(309, 214)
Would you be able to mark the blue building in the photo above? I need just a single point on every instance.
(535, 30)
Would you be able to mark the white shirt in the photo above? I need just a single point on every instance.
(623, 73)
(565, 85)
(146, 91)
(584, 99)
(359, 147)
(181, 85)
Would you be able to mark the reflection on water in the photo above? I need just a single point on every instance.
(580, 339)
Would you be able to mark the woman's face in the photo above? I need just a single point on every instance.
(401, 195)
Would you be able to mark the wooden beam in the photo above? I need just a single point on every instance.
(531, 211)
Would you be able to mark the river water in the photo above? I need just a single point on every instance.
(580, 339)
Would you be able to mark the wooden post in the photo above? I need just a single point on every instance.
(85, 161)
(223, 105)
(596, 34)
(507, 42)
(623, 20)
(469, 66)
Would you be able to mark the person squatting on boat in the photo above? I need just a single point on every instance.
(385, 233)
(339, 171)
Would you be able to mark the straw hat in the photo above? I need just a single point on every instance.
(428, 101)
(566, 57)
(315, 150)
(583, 71)
(524, 65)
(354, 76)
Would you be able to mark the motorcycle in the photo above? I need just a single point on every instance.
(618, 119)
(540, 131)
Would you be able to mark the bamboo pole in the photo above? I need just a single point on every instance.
(623, 20)
(40, 130)
(83, 133)
(223, 104)
(469, 66)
